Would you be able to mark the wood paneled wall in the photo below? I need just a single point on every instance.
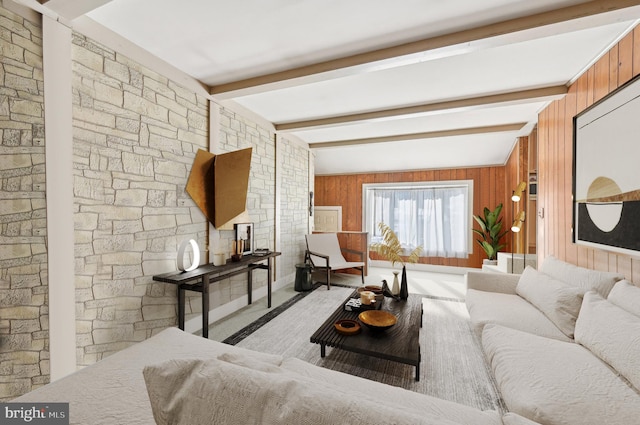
(346, 190)
(555, 160)
(521, 162)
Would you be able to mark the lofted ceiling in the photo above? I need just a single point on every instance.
(372, 85)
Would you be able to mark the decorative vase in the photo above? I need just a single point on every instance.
(404, 286)
(395, 288)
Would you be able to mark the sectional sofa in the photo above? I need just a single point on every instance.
(563, 342)
(178, 378)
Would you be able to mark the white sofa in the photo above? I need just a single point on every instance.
(178, 378)
(563, 342)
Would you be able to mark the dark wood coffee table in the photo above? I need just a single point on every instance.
(400, 343)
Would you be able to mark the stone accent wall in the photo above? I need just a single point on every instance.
(24, 343)
(135, 136)
(238, 132)
(294, 203)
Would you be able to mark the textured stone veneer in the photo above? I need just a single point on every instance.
(135, 137)
(135, 134)
(24, 324)
(294, 202)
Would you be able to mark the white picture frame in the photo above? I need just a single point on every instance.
(244, 232)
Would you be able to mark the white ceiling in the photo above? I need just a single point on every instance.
(375, 85)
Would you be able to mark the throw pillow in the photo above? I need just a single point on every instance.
(572, 275)
(557, 301)
(612, 334)
(251, 362)
(626, 296)
(217, 392)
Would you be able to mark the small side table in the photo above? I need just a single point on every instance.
(198, 280)
(303, 277)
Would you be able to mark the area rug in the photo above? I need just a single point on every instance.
(453, 366)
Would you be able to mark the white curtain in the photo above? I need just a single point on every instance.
(434, 217)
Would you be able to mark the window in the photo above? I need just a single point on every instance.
(436, 215)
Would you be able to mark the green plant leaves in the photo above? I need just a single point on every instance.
(490, 231)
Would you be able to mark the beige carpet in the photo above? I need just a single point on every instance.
(452, 368)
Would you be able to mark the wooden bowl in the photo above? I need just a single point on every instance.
(347, 327)
(378, 320)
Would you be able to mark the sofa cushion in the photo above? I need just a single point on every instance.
(113, 391)
(555, 382)
(214, 391)
(511, 418)
(581, 277)
(559, 302)
(242, 359)
(612, 334)
(398, 397)
(508, 310)
(626, 296)
(491, 282)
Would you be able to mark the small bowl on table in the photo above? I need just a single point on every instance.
(347, 327)
(378, 320)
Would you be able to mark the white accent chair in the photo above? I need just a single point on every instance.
(324, 253)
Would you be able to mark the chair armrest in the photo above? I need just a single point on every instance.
(308, 255)
(353, 251)
(492, 282)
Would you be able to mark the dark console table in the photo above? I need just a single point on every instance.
(198, 280)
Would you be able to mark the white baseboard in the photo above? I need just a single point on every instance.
(195, 324)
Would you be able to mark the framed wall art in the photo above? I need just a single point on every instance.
(244, 233)
(606, 176)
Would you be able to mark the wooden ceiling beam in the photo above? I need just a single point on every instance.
(511, 26)
(417, 136)
(546, 93)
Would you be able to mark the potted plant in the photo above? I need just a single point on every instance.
(491, 232)
(392, 250)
